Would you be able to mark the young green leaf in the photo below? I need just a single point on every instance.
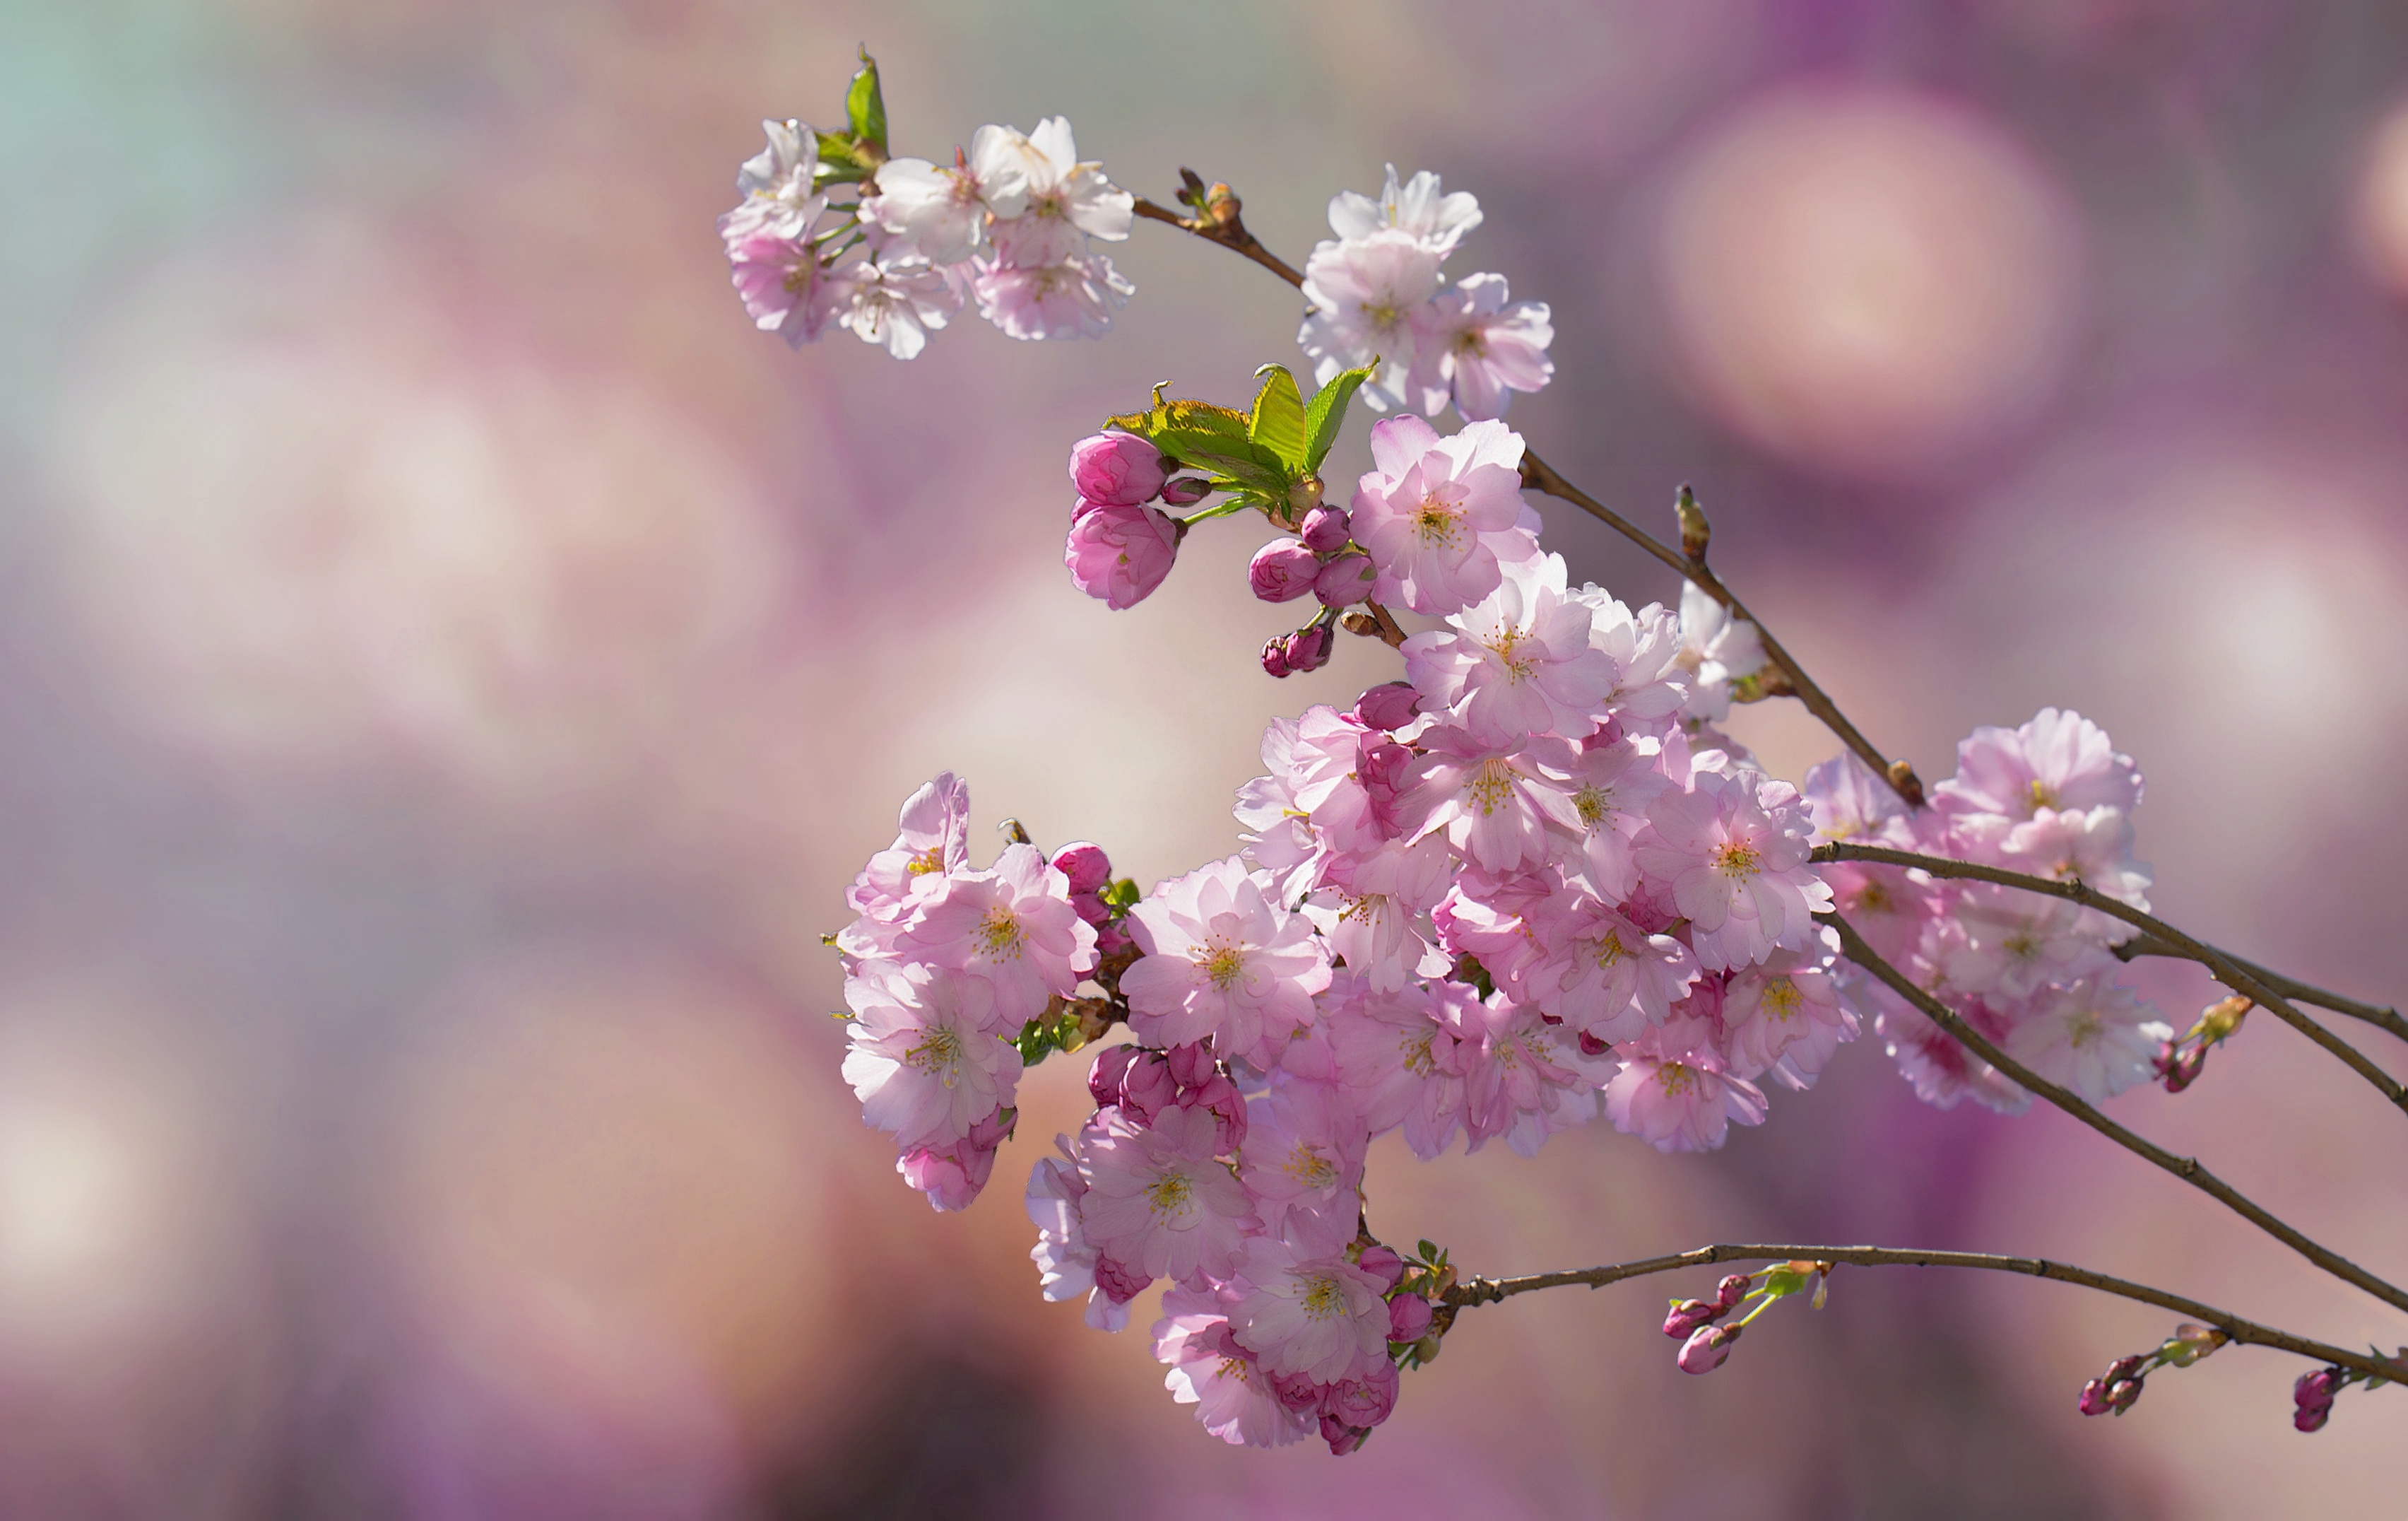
(1277, 425)
(1327, 413)
(865, 108)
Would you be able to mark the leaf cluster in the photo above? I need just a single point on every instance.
(852, 155)
(1260, 456)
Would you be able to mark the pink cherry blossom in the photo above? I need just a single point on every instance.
(2092, 846)
(1302, 1161)
(1395, 1059)
(1603, 976)
(1419, 209)
(1319, 755)
(1523, 1079)
(1475, 347)
(1716, 649)
(1066, 1261)
(892, 302)
(1012, 926)
(943, 211)
(1734, 851)
(2059, 760)
(1233, 1397)
(953, 1176)
(2008, 944)
(1362, 293)
(1120, 554)
(933, 839)
(1518, 662)
(1611, 785)
(1935, 1062)
(1675, 1094)
(2094, 1036)
(1785, 1017)
(1498, 918)
(1070, 298)
(1374, 911)
(1440, 516)
(925, 1060)
(781, 283)
(1068, 201)
(1157, 1199)
(1223, 962)
(777, 185)
(1500, 806)
(1650, 686)
(1321, 1316)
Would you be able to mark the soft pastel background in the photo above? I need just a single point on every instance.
(449, 665)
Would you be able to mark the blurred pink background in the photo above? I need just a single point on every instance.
(450, 665)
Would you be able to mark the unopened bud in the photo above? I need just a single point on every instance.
(1116, 470)
(1387, 707)
(1282, 570)
(1346, 581)
(1304, 497)
(1326, 528)
(2123, 1394)
(1086, 865)
(1705, 1351)
(1275, 656)
(2094, 1399)
(1382, 1263)
(1695, 531)
(2189, 1343)
(1685, 1317)
(1307, 648)
(1185, 490)
(2220, 1020)
(1409, 1317)
(2315, 1390)
(2311, 1420)
(1732, 1289)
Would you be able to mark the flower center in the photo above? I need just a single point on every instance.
(2043, 795)
(939, 1052)
(1782, 998)
(1168, 1196)
(1419, 1059)
(1610, 950)
(1310, 1166)
(931, 859)
(1324, 1297)
(1738, 860)
(1676, 1078)
(1594, 803)
(1506, 642)
(1225, 963)
(2083, 1028)
(1491, 784)
(2022, 946)
(1440, 522)
(999, 936)
(1234, 1367)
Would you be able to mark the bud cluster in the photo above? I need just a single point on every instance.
(2117, 1389)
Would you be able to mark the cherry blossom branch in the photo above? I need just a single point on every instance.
(2188, 1168)
(1219, 221)
(2232, 973)
(1479, 1291)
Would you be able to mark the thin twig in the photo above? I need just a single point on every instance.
(2291, 987)
(1478, 1291)
(1225, 226)
(2232, 973)
(2188, 1168)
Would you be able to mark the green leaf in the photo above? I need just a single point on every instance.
(1277, 425)
(1327, 413)
(1429, 1250)
(864, 107)
(1120, 894)
(1785, 1280)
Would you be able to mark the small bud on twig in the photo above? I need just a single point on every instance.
(1695, 531)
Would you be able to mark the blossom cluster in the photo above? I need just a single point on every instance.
(1530, 884)
(1007, 227)
(2034, 974)
(1379, 296)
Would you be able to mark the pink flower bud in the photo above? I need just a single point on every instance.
(1297, 1392)
(1731, 1291)
(1325, 529)
(1282, 570)
(1705, 1351)
(1275, 656)
(1104, 1076)
(1689, 1316)
(1191, 1066)
(2122, 1394)
(1342, 1437)
(1087, 867)
(1307, 648)
(1091, 907)
(2094, 1398)
(1121, 554)
(2315, 1390)
(1409, 1317)
(1381, 1263)
(1387, 707)
(1346, 581)
(1147, 1088)
(1120, 1283)
(1363, 1401)
(2311, 1420)
(1185, 490)
(1116, 470)
(1383, 769)
(1227, 1106)
(1110, 941)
